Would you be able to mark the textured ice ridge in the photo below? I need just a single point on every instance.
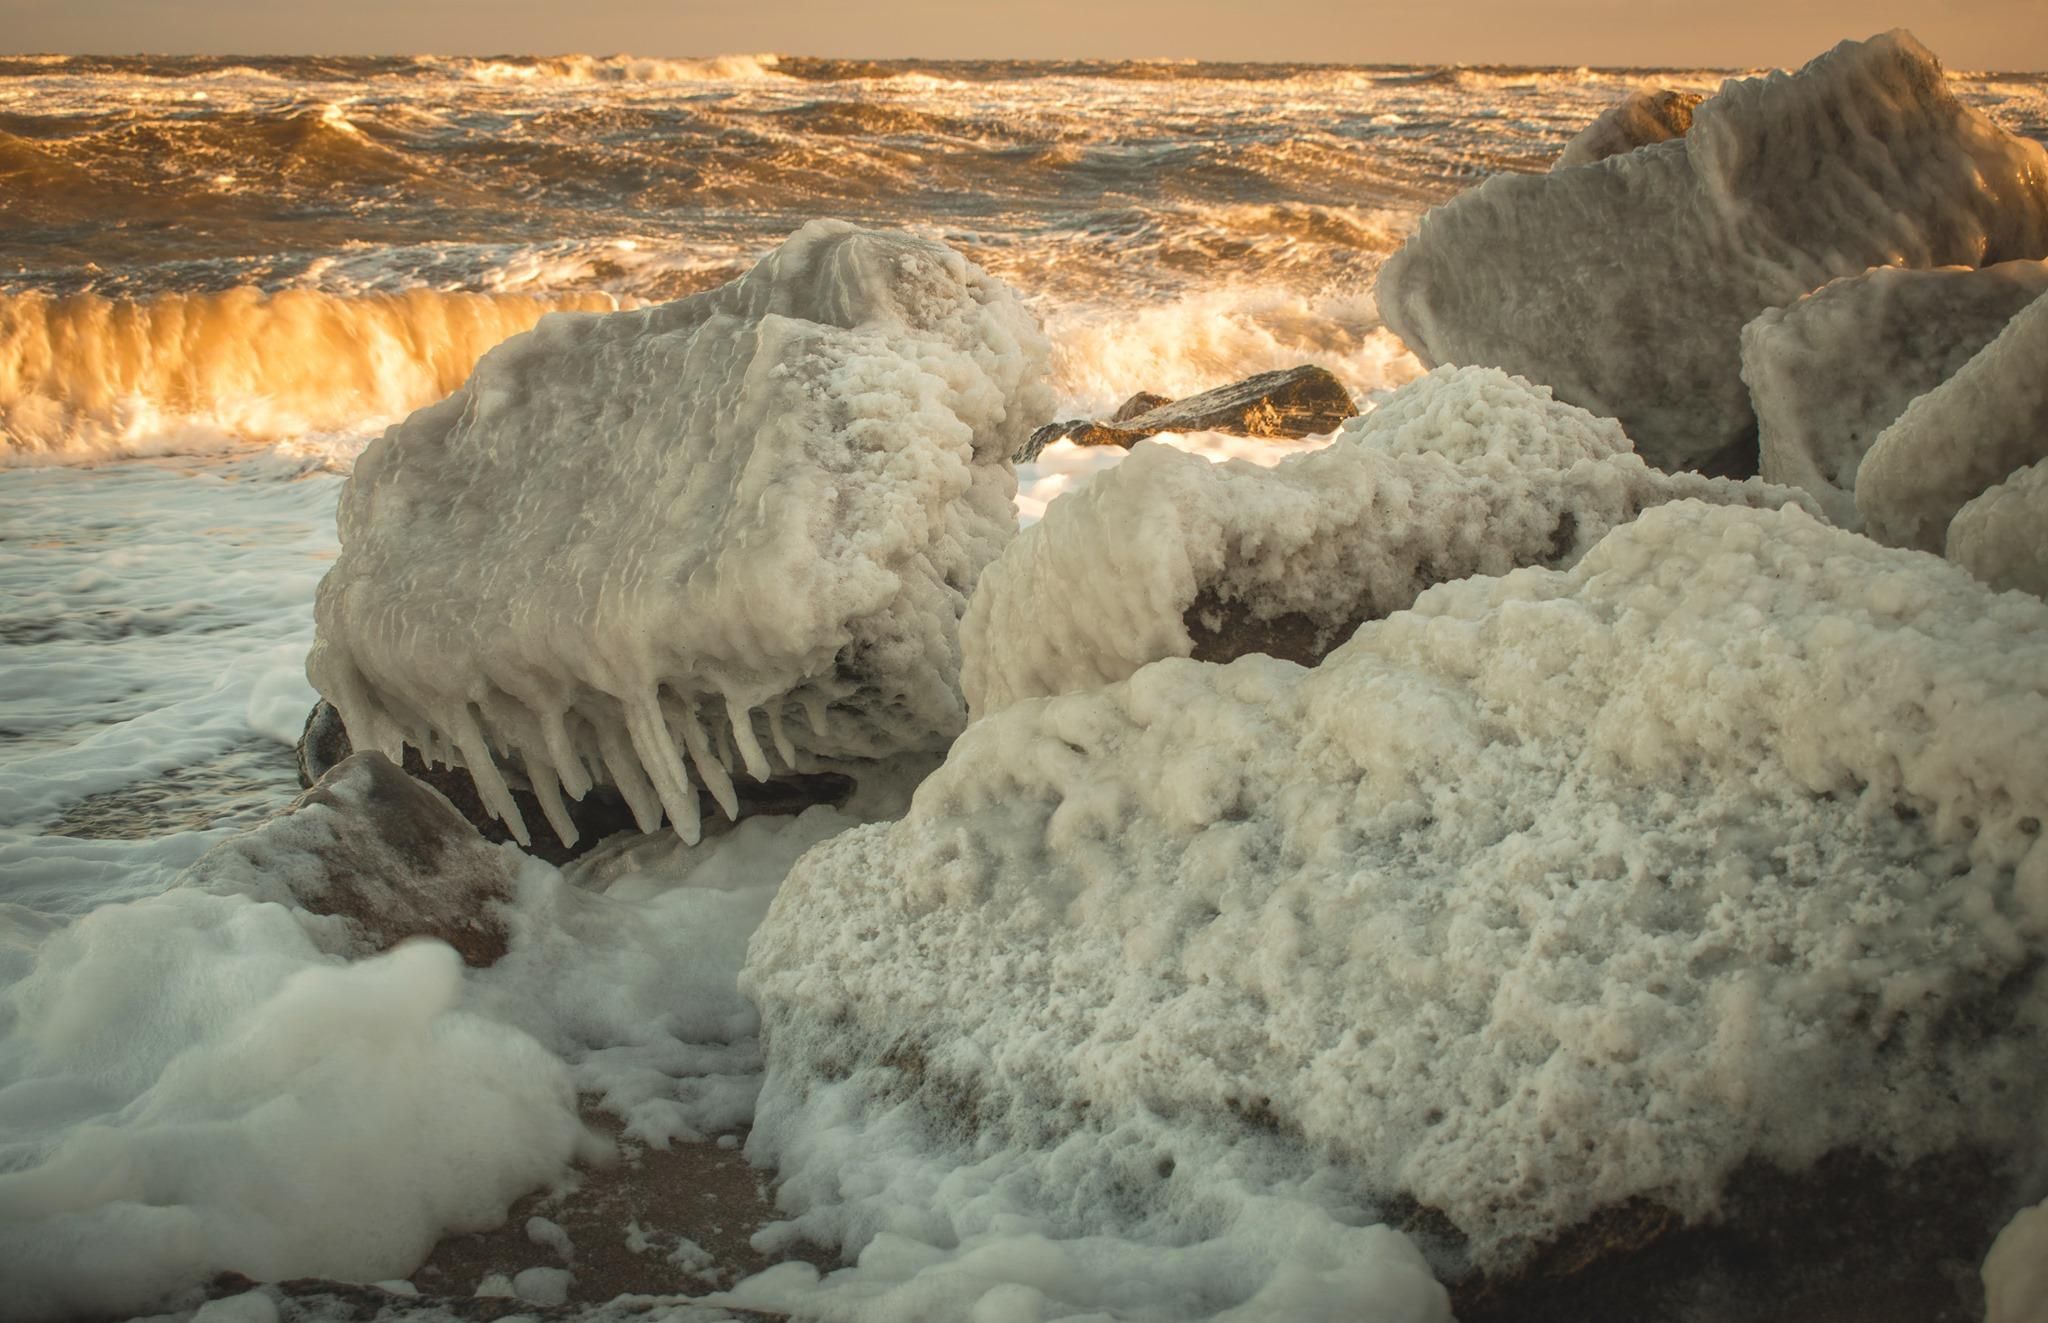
(731, 533)
(1558, 889)
(1466, 471)
(1624, 284)
(1830, 372)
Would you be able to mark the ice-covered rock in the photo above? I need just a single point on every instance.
(1624, 285)
(733, 533)
(2016, 1270)
(1466, 471)
(1292, 402)
(1970, 433)
(385, 855)
(1558, 890)
(1637, 120)
(2002, 535)
(1830, 372)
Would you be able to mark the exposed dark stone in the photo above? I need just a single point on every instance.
(323, 743)
(373, 846)
(1224, 631)
(1143, 402)
(1850, 1240)
(1292, 403)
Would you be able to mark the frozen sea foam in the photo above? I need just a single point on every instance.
(1559, 889)
(654, 549)
(1466, 471)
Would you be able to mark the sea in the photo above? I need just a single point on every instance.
(220, 277)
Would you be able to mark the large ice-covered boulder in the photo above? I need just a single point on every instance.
(1966, 435)
(1637, 120)
(2001, 536)
(1624, 284)
(1558, 891)
(1830, 372)
(1466, 471)
(734, 533)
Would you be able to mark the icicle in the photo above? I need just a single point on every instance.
(547, 788)
(783, 748)
(625, 773)
(716, 779)
(491, 787)
(575, 777)
(649, 732)
(742, 720)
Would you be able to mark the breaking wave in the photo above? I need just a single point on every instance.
(85, 376)
(581, 69)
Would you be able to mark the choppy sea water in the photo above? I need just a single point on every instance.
(219, 278)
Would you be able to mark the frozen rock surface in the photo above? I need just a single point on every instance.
(1467, 471)
(1970, 433)
(1624, 285)
(1294, 402)
(2016, 1270)
(1830, 372)
(733, 533)
(1558, 890)
(385, 854)
(1637, 120)
(2002, 536)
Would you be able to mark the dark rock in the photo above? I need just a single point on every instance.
(1850, 1240)
(601, 813)
(383, 851)
(323, 743)
(1224, 630)
(1291, 403)
(1143, 402)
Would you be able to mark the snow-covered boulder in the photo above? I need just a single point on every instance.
(1559, 890)
(2002, 535)
(1968, 434)
(386, 856)
(653, 548)
(1624, 285)
(1466, 471)
(1637, 120)
(1830, 372)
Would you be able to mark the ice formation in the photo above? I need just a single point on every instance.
(1466, 471)
(1556, 890)
(1969, 433)
(2002, 535)
(1624, 284)
(182, 1071)
(1830, 372)
(2016, 1270)
(1637, 120)
(738, 529)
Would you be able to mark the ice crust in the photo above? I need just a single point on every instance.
(2016, 1270)
(1971, 432)
(2002, 536)
(1558, 889)
(1466, 471)
(1624, 284)
(1637, 120)
(1832, 371)
(737, 530)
